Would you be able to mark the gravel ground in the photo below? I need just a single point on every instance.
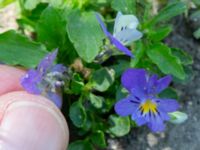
(176, 137)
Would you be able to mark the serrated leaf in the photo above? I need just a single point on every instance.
(125, 6)
(162, 56)
(51, 28)
(77, 114)
(17, 49)
(168, 12)
(102, 79)
(120, 125)
(85, 33)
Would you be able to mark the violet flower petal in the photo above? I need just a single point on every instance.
(163, 83)
(134, 79)
(30, 81)
(156, 124)
(55, 98)
(120, 46)
(113, 40)
(168, 105)
(47, 62)
(125, 107)
(58, 68)
(102, 25)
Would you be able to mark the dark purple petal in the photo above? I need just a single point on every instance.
(102, 25)
(31, 80)
(55, 98)
(120, 46)
(167, 105)
(134, 79)
(125, 107)
(163, 83)
(156, 124)
(47, 62)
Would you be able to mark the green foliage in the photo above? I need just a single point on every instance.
(120, 125)
(4, 3)
(125, 6)
(85, 33)
(168, 12)
(80, 145)
(162, 56)
(16, 49)
(77, 114)
(95, 86)
(98, 139)
(51, 28)
(102, 79)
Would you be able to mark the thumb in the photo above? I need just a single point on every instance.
(31, 122)
(10, 79)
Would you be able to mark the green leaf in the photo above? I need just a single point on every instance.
(77, 84)
(120, 127)
(169, 93)
(96, 101)
(160, 33)
(85, 33)
(32, 4)
(102, 79)
(77, 114)
(80, 145)
(4, 3)
(51, 28)
(197, 33)
(185, 58)
(139, 53)
(120, 67)
(162, 56)
(98, 139)
(17, 49)
(168, 12)
(125, 6)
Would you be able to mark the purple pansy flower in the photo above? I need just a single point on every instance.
(125, 31)
(142, 103)
(46, 79)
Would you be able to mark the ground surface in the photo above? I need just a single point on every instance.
(179, 137)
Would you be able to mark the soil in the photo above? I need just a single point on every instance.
(185, 136)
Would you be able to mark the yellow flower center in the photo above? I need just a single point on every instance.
(148, 106)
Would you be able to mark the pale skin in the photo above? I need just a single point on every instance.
(28, 121)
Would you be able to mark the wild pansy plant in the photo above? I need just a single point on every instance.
(143, 104)
(94, 88)
(46, 79)
(125, 31)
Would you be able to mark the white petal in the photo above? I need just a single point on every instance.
(123, 22)
(127, 36)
